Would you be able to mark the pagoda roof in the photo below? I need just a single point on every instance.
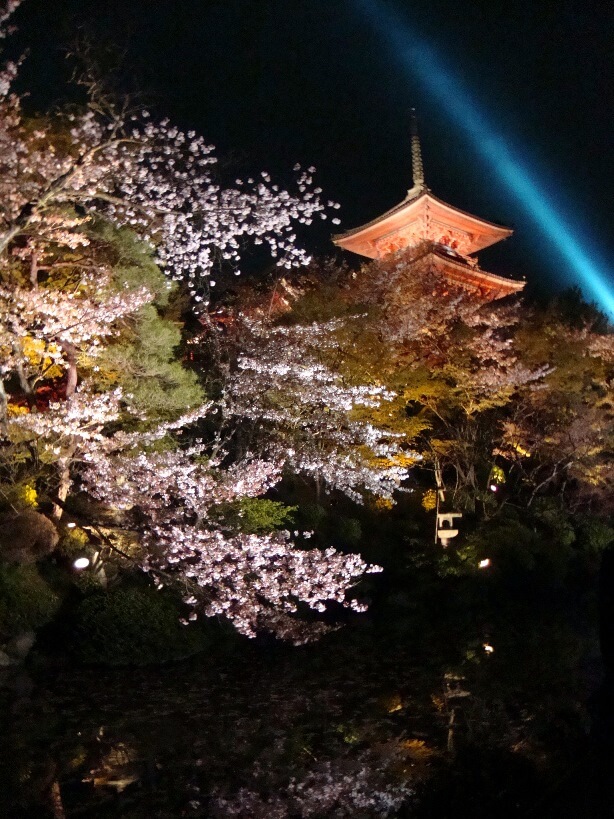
(471, 277)
(424, 216)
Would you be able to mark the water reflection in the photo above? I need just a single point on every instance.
(410, 707)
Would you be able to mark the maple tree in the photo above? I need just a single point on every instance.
(473, 390)
(559, 438)
(448, 363)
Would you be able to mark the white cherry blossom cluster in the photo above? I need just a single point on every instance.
(415, 302)
(342, 788)
(167, 189)
(78, 422)
(491, 367)
(602, 346)
(56, 178)
(125, 442)
(8, 71)
(304, 413)
(6, 10)
(59, 318)
(256, 582)
(253, 579)
(181, 483)
(152, 177)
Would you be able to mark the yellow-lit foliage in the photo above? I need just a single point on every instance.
(21, 495)
(418, 757)
(438, 702)
(28, 495)
(497, 475)
(524, 453)
(16, 409)
(381, 504)
(418, 750)
(402, 460)
(41, 355)
(393, 703)
(73, 541)
(429, 500)
(595, 474)
(127, 542)
(78, 759)
(393, 416)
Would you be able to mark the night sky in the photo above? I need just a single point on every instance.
(275, 82)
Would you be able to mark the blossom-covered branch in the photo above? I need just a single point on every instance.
(304, 413)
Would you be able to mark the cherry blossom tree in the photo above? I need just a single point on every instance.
(304, 414)
(257, 582)
(70, 186)
(149, 175)
(444, 364)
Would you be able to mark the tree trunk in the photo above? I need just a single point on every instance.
(25, 385)
(65, 461)
(34, 270)
(450, 738)
(56, 801)
(98, 569)
(65, 481)
(71, 359)
(3, 410)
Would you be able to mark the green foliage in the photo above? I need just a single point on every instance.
(20, 496)
(143, 360)
(26, 600)
(313, 515)
(512, 543)
(570, 307)
(133, 263)
(348, 531)
(73, 542)
(555, 517)
(595, 535)
(145, 365)
(132, 626)
(256, 515)
(322, 304)
(540, 540)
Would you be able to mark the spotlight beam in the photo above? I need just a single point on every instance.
(420, 60)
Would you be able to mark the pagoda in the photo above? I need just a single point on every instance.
(447, 238)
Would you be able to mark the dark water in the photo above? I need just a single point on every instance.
(169, 741)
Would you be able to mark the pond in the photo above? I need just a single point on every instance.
(464, 697)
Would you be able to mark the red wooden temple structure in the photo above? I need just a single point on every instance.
(448, 236)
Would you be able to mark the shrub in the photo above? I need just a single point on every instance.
(313, 516)
(132, 626)
(256, 516)
(348, 531)
(595, 535)
(26, 537)
(26, 600)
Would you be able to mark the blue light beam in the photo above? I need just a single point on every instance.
(421, 60)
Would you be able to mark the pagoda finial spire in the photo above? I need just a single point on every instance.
(417, 169)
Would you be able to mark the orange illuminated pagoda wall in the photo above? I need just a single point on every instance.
(447, 236)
